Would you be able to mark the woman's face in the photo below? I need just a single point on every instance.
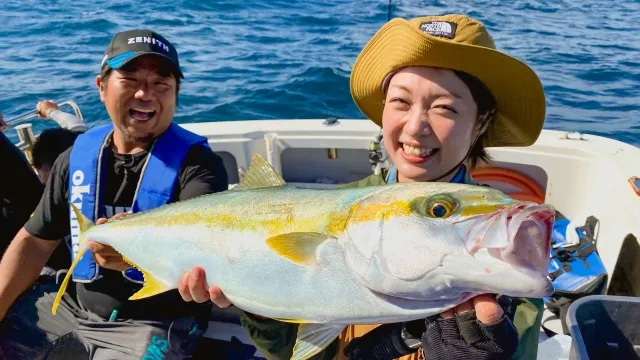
(429, 122)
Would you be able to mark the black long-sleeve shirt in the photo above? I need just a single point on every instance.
(20, 191)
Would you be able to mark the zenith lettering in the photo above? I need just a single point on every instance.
(148, 40)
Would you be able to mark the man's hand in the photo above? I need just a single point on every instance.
(105, 255)
(45, 107)
(192, 288)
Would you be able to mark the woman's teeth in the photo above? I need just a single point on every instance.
(140, 114)
(418, 151)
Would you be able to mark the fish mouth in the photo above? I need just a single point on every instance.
(519, 235)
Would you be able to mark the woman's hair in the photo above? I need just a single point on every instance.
(486, 110)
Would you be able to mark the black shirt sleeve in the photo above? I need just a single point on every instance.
(202, 173)
(20, 191)
(50, 221)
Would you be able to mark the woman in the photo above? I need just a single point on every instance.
(441, 93)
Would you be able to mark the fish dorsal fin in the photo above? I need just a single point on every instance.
(313, 338)
(260, 175)
(298, 247)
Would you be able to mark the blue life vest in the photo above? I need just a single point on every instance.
(155, 187)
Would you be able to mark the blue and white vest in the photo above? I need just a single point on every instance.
(157, 181)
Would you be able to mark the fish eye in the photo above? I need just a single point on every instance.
(440, 207)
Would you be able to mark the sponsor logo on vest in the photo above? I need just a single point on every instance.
(77, 191)
(148, 40)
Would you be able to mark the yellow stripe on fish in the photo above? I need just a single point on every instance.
(281, 219)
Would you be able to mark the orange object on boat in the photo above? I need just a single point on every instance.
(530, 190)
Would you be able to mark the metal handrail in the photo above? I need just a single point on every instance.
(32, 114)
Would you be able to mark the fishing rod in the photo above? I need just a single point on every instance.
(377, 158)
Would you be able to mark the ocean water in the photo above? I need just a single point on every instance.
(277, 59)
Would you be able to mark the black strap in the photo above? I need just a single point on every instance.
(589, 229)
(586, 251)
(554, 275)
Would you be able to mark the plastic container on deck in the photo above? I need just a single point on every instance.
(604, 327)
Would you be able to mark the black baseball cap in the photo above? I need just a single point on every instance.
(128, 45)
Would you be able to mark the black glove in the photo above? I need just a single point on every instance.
(464, 337)
(386, 342)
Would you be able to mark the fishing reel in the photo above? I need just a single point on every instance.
(378, 157)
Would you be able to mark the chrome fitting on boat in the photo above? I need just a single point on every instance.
(27, 139)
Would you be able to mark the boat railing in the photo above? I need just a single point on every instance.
(32, 114)
(25, 131)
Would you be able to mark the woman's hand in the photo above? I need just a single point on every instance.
(105, 255)
(476, 329)
(192, 288)
(487, 309)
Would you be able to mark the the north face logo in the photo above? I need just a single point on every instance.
(439, 28)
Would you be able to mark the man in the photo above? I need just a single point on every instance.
(20, 190)
(140, 161)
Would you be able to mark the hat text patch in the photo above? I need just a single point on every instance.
(149, 40)
(439, 28)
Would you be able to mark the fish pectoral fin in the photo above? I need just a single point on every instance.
(260, 175)
(313, 338)
(151, 287)
(298, 247)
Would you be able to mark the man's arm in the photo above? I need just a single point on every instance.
(21, 266)
(49, 110)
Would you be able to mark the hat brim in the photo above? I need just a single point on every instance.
(123, 59)
(516, 88)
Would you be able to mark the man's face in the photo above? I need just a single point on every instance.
(140, 98)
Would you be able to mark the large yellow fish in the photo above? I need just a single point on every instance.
(326, 258)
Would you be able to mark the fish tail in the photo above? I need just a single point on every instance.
(84, 224)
